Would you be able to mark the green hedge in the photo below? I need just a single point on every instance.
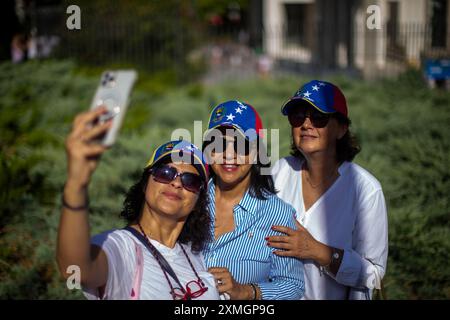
(402, 125)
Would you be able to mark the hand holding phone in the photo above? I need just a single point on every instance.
(113, 93)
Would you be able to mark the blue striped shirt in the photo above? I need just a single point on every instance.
(245, 253)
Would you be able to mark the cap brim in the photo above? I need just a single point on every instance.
(229, 125)
(198, 166)
(298, 101)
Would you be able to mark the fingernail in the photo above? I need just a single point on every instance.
(273, 228)
(266, 238)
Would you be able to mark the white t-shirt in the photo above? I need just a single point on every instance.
(350, 215)
(120, 249)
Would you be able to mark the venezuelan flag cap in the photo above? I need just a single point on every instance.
(180, 151)
(324, 96)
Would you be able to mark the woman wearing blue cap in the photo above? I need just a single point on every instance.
(157, 256)
(342, 230)
(243, 207)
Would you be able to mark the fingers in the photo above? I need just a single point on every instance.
(225, 287)
(96, 131)
(94, 150)
(280, 245)
(221, 277)
(224, 280)
(90, 115)
(285, 253)
(283, 229)
(82, 120)
(77, 149)
(217, 269)
(277, 239)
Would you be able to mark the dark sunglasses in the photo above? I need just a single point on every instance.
(318, 119)
(166, 174)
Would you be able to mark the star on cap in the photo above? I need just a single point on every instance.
(241, 105)
(321, 84)
(230, 117)
(316, 88)
(238, 110)
(307, 94)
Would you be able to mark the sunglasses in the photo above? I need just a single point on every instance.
(166, 174)
(317, 118)
(194, 289)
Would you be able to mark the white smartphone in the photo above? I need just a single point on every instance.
(113, 92)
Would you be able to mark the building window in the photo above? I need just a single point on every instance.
(299, 28)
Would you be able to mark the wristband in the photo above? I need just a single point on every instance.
(254, 291)
(79, 208)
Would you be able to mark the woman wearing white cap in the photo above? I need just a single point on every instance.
(244, 206)
(342, 229)
(157, 256)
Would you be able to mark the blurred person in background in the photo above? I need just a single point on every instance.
(158, 255)
(342, 228)
(243, 207)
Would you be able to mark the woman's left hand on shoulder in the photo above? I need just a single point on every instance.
(299, 244)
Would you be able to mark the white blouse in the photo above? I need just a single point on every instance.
(121, 252)
(351, 215)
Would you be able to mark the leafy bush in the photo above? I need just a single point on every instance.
(402, 125)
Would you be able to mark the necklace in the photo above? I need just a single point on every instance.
(185, 295)
(321, 182)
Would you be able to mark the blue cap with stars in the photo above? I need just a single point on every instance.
(181, 150)
(324, 96)
(238, 115)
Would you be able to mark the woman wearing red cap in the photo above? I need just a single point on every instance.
(244, 206)
(342, 231)
(158, 255)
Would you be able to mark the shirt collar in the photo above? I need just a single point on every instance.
(248, 202)
(343, 167)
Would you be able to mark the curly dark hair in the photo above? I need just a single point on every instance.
(346, 148)
(196, 227)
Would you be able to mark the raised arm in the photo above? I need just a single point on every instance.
(73, 243)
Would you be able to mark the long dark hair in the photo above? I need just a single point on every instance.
(261, 185)
(196, 227)
(346, 148)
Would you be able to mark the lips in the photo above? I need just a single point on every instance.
(229, 167)
(171, 195)
(307, 136)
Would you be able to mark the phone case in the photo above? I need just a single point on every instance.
(113, 92)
